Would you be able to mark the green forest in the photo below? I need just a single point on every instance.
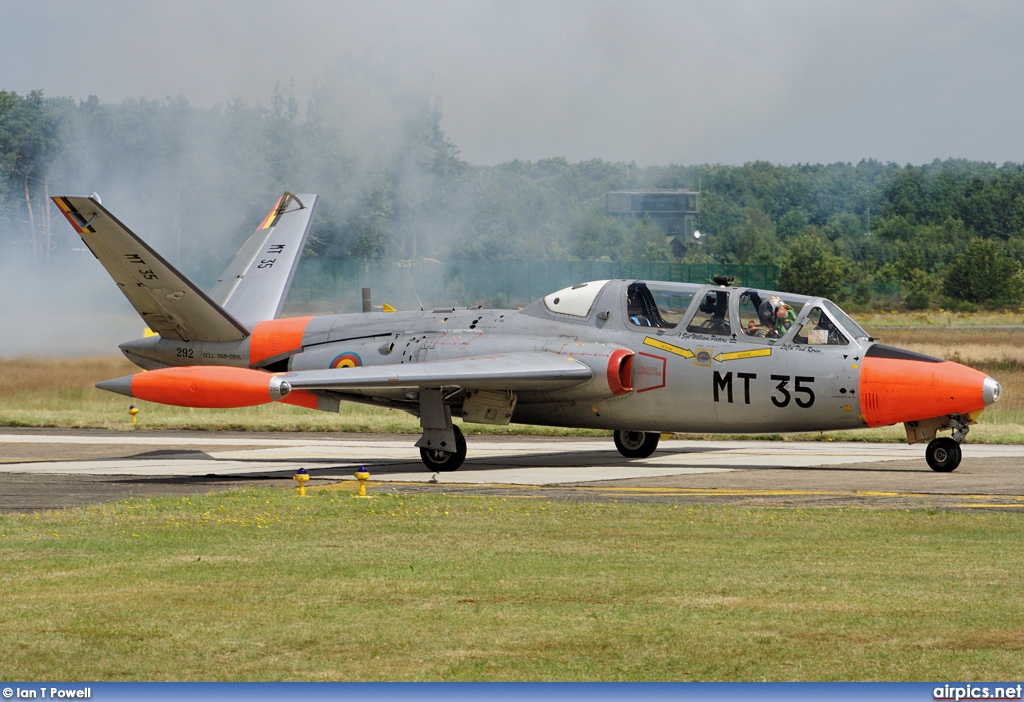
(394, 188)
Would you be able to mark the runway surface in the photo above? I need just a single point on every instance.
(50, 469)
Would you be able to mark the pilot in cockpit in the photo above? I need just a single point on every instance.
(776, 316)
(784, 318)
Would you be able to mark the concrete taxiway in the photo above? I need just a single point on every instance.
(41, 469)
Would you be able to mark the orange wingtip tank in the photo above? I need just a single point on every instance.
(202, 386)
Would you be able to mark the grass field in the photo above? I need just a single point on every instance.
(264, 585)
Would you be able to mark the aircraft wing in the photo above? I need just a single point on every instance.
(254, 286)
(169, 303)
(533, 370)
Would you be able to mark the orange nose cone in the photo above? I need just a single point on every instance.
(208, 386)
(902, 386)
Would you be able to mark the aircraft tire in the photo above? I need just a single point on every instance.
(445, 461)
(943, 455)
(636, 444)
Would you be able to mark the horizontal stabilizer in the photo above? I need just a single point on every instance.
(529, 371)
(254, 286)
(169, 303)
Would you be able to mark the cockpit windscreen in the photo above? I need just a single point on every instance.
(844, 320)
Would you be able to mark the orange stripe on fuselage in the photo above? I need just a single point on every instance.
(275, 337)
(894, 390)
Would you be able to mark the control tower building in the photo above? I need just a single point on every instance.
(675, 211)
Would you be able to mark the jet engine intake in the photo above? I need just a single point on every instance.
(620, 371)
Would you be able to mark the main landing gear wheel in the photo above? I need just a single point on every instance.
(636, 444)
(943, 455)
(444, 461)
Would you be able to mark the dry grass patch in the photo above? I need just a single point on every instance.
(939, 318)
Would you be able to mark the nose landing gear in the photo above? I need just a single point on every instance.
(943, 455)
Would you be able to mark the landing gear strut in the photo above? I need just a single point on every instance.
(442, 446)
(636, 444)
(443, 461)
(943, 455)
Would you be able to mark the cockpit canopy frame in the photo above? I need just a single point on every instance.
(716, 310)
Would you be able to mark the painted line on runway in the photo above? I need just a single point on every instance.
(754, 492)
(991, 505)
(735, 492)
(724, 492)
(19, 461)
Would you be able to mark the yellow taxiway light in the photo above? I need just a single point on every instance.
(362, 475)
(301, 477)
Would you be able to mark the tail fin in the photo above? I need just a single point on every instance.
(169, 303)
(254, 286)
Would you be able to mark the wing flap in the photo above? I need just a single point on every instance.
(525, 371)
(168, 302)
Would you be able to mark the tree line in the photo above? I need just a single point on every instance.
(394, 187)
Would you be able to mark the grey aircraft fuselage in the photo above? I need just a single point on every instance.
(680, 380)
(636, 357)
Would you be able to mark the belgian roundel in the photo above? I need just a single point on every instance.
(347, 360)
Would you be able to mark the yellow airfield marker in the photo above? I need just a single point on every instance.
(362, 475)
(301, 477)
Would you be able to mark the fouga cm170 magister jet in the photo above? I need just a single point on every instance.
(635, 357)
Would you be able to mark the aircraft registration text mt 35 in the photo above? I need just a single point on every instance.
(635, 357)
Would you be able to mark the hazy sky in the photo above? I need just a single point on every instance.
(653, 82)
